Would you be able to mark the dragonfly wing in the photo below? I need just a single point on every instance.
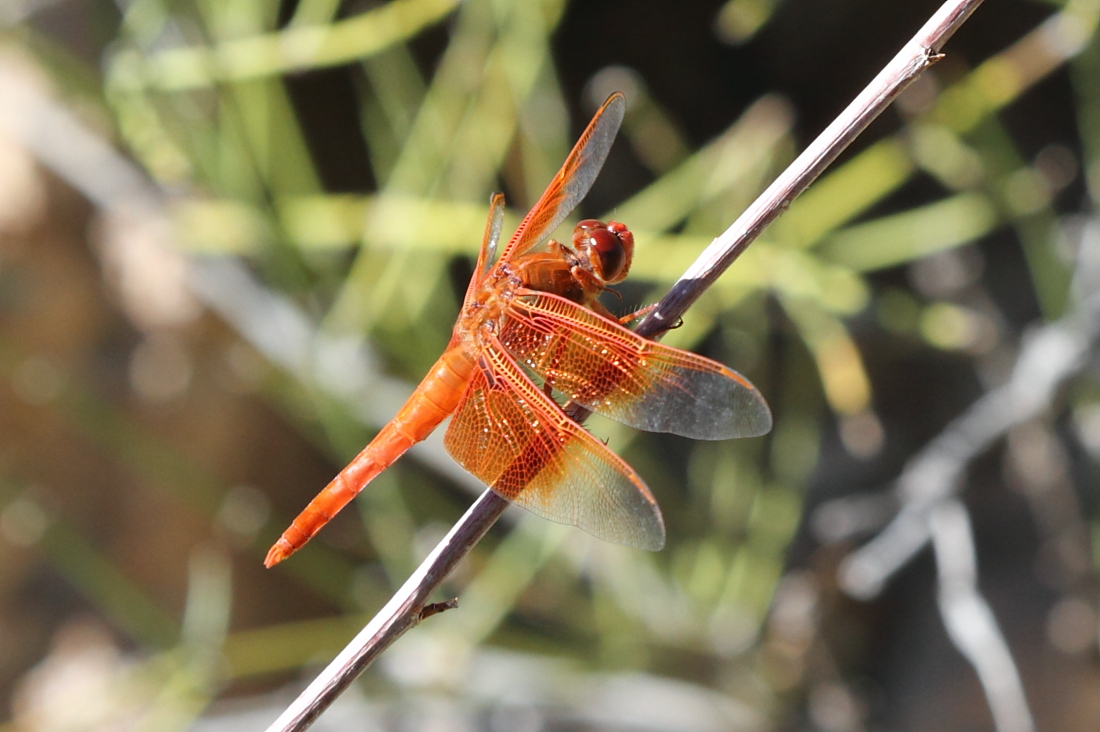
(513, 437)
(489, 242)
(573, 181)
(487, 254)
(617, 373)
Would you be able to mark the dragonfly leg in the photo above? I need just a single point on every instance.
(637, 314)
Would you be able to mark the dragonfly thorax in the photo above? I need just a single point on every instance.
(483, 317)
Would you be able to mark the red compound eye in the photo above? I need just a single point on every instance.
(609, 247)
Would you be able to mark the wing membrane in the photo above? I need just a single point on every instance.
(487, 252)
(573, 181)
(492, 234)
(515, 439)
(617, 373)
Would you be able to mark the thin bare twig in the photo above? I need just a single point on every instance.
(405, 607)
(404, 610)
(969, 619)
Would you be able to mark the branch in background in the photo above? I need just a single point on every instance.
(927, 486)
(969, 619)
(1049, 355)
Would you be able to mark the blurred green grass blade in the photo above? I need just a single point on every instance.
(797, 403)
(746, 593)
(1051, 275)
(408, 228)
(289, 646)
(738, 21)
(456, 80)
(274, 139)
(1004, 77)
(468, 117)
(223, 226)
(513, 72)
(774, 518)
(148, 132)
(76, 79)
(846, 192)
(209, 599)
(322, 222)
(839, 364)
(1026, 205)
(720, 165)
(704, 570)
(389, 106)
(943, 154)
(184, 696)
(904, 237)
(196, 669)
(873, 174)
(1084, 72)
(235, 171)
(162, 467)
(294, 49)
(236, 21)
(143, 21)
(402, 223)
(477, 150)
(542, 143)
(724, 482)
(502, 579)
(654, 135)
(421, 168)
(266, 126)
(402, 289)
(314, 12)
(389, 525)
(120, 600)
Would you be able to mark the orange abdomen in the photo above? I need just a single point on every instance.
(436, 397)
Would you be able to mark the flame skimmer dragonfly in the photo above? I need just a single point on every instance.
(537, 308)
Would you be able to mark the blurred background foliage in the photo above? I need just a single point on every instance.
(234, 234)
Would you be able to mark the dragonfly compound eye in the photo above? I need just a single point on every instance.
(609, 248)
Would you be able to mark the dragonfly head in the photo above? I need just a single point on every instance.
(606, 249)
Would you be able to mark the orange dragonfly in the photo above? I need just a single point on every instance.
(535, 309)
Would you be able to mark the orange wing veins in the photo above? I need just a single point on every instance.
(519, 442)
(613, 371)
(573, 181)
